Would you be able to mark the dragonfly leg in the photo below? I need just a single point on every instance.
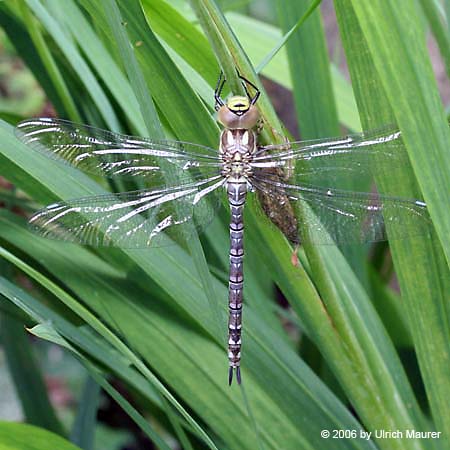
(246, 82)
(218, 91)
(221, 82)
(261, 150)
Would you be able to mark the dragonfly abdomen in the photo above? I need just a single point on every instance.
(236, 196)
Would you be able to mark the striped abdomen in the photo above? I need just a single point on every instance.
(236, 196)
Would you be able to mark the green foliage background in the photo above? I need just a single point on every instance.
(156, 319)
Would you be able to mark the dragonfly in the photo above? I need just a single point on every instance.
(183, 180)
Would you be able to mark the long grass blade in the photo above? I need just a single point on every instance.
(40, 314)
(49, 62)
(26, 374)
(147, 108)
(424, 286)
(313, 6)
(83, 429)
(77, 62)
(439, 31)
(390, 37)
(47, 332)
(101, 61)
(20, 436)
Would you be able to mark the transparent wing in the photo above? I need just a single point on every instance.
(108, 154)
(329, 161)
(338, 216)
(137, 219)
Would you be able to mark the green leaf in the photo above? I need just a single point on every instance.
(49, 62)
(77, 62)
(83, 429)
(26, 374)
(396, 40)
(313, 94)
(310, 71)
(19, 436)
(312, 7)
(19, 37)
(256, 37)
(348, 332)
(102, 62)
(182, 37)
(49, 333)
(424, 286)
(440, 33)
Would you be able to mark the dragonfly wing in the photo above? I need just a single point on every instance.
(332, 161)
(345, 217)
(136, 219)
(104, 153)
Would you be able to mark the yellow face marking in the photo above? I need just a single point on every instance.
(238, 104)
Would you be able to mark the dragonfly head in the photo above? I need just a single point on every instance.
(238, 112)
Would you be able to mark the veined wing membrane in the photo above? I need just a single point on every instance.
(108, 154)
(329, 161)
(345, 217)
(136, 219)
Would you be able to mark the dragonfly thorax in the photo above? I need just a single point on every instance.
(237, 148)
